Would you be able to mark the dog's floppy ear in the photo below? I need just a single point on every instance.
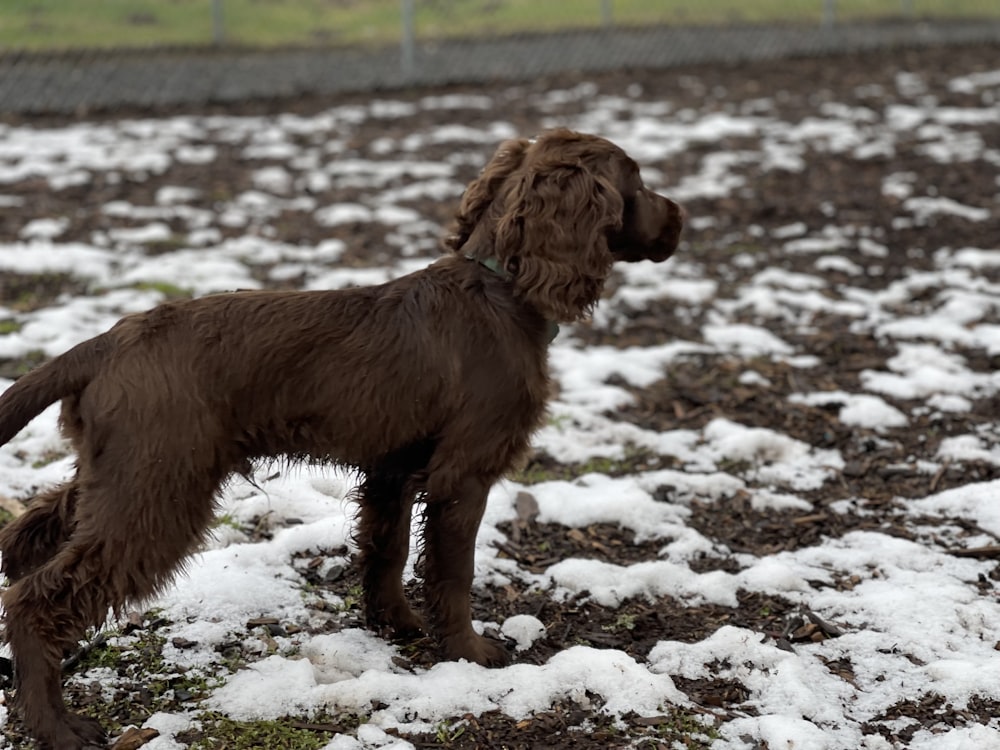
(480, 193)
(552, 238)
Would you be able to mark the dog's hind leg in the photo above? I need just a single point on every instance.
(383, 539)
(125, 546)
(32, 539)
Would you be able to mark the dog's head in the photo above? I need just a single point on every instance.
(556, 212)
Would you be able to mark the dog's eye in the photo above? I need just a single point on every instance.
(513, 265)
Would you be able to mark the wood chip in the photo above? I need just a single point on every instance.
(134, 738)
(827, 628)
(254, 622)
(576, 535)
(938, 476)
(402, 663)
(980, 553)
(650, 721)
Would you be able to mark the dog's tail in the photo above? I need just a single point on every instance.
(63, 376)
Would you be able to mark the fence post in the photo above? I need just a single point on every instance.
(907, 8)
(218, 25)
(829, 12)
(407, 44)
(607, 16)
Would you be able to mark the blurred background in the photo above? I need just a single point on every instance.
(111, 24)
(70, 57)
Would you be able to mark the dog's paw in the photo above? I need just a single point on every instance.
(75, 733)
(398, 622)
(489, 652)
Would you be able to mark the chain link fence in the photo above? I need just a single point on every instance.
(115, 24)
(389, 44)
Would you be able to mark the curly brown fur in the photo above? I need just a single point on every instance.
(430, 385)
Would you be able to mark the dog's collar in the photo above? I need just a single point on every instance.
(494, 265)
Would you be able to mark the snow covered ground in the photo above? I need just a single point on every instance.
(879, 311)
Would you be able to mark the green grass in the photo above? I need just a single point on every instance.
(218, 731)
(137, 661)
(75, 24)
(168, 290)
(683, 730)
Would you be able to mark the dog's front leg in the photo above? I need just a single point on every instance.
(449, 556)
(383, 539)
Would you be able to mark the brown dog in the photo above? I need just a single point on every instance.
(431, 385)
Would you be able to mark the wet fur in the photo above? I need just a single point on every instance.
(430, 385)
